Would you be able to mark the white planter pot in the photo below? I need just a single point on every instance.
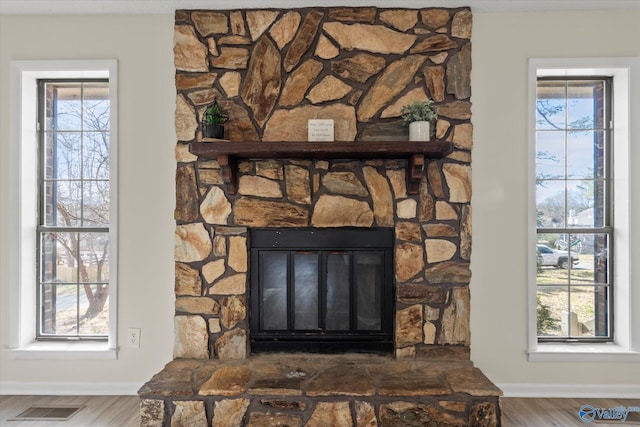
(419, 131)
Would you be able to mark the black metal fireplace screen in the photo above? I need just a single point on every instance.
(321, 290)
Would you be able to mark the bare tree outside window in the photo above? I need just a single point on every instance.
(74, 209)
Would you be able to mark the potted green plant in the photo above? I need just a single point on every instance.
(418, 116)
(213, 120)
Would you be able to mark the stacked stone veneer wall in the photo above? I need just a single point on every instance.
(272, 70)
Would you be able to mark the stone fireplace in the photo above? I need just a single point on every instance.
(272, 70)
(431, 273)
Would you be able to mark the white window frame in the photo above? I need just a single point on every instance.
(626, 151)
(24, 209)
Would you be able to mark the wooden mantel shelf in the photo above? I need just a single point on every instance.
(227, 153)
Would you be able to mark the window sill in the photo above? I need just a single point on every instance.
(570, 352)
(64, 350)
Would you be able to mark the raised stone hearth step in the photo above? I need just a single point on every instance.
(315, 390)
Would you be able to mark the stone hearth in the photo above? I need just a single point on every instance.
(272, 70)
(313, 390)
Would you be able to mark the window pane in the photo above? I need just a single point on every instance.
(582, 212)
(582, 109)
(64, 110)
(58, 257)
(600, 108)
(49, 261)
(586, 301)
(338, 271)
(62, 159)
(96, 106)
(368, 289)
(552, 266)
(94, 315)
(274, 290)
(62, 206)
(582, 155)
(601, 305)
(579, 107)
(550, 105)
(94, 257)
(593, 265)
(96, 155)
(95, 203)
(550, 203)
(552, 301)
(64, 300)
(305, 267)
(48, 316)
(550, 155)
(585, 203)
(600, 202)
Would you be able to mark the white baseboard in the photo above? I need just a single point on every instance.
(619, 391)
(69, 389)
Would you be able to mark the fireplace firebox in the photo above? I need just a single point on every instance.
(321, 290)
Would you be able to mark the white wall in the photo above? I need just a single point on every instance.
(502, 43)
(143, 46)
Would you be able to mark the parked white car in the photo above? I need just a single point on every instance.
(555, 258)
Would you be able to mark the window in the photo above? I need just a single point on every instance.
(573, 208)
(63, 262)
(583, 298)
(74, 199)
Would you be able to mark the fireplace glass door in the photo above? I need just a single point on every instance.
(321, 290)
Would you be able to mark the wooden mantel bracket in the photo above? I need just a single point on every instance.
(414, 173)
(229, 172)
(227, 153)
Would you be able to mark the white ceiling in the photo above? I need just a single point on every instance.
(9, 7)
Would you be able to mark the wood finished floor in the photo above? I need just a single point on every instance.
(518, 412)
(122, 411)
(100, 411)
